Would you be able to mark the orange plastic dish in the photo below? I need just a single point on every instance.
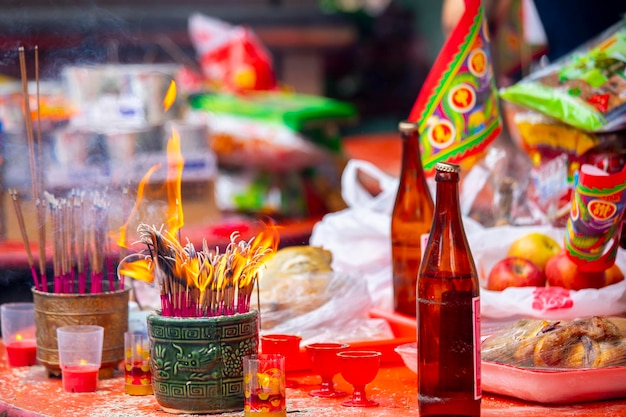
(554, 387)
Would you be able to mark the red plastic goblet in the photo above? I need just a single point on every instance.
(359, 368)
(287, 345)
(325, 363)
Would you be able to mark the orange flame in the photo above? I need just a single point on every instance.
(141, 270)
(175, 165)
(122, 238)
(170, 96)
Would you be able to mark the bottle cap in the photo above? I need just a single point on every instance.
(447, 167)
(406, 126)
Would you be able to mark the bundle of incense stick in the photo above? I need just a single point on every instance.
(36, 165)
(200, 283)
(80, 243)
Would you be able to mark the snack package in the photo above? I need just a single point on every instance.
(549, 193)
(556, 152)
(541, 344)
(274, 130)
(585, 89)
(231, 57)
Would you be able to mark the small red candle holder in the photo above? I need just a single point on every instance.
(359, 368)
(325, 363)
(80, 356)
(287, 345)
(18, 331)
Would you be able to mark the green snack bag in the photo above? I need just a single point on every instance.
(584, 89)
(305, 114)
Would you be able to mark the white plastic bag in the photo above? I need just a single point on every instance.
(319, 307)
(490, 245)
(359, 236)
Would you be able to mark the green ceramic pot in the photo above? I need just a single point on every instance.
(197, 364)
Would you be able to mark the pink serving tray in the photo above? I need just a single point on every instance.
(563, 386)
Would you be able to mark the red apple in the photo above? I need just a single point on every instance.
(561, 271)
(514, 271)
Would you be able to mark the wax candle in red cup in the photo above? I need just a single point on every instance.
(80, 378)
(80, 356)
(18, 333)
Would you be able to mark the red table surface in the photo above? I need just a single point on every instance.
(27, 391)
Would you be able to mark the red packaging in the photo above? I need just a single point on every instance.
(231, 57)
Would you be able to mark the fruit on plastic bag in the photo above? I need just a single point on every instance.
(514, 272)
(562, 272)
(536, 247)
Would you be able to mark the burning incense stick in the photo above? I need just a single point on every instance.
(201, 283)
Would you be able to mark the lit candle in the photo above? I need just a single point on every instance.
(80, 378)
(22, 352)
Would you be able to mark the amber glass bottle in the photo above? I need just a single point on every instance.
(411, 219)
(448, 330)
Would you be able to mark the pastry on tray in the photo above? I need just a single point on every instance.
(594, 342)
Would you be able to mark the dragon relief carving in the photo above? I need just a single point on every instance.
(203, 363)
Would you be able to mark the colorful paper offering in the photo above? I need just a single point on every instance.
(594, 227)
(457, 108)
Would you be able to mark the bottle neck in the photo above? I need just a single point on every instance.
(447, 198)
(411, 155)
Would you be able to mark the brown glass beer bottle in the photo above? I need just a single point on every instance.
(411, 219)
(448, 312)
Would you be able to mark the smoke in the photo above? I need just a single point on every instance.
(66, 33)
